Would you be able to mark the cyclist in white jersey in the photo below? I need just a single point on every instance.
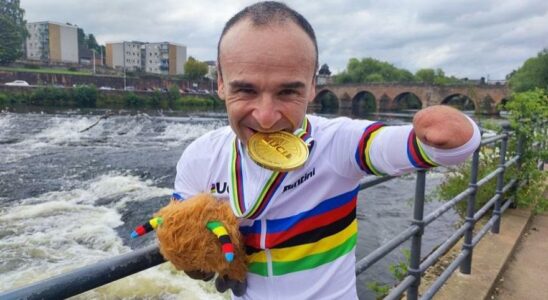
(301, 235)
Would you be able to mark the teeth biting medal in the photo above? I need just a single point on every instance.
(278, 151)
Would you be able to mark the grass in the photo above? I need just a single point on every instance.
(47, 71)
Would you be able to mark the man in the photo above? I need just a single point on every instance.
(300, 226)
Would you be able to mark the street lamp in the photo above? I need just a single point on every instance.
(93, 51)
(124, 47)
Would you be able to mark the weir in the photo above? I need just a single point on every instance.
(93, 276)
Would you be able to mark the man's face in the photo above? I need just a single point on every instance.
(267, 77)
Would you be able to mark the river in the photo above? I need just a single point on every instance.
(70, 198)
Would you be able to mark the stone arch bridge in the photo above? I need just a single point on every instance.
(485, 98)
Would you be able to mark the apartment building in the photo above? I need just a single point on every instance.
(120, 55)
(52, 42)
(164, 58)
(159, 58)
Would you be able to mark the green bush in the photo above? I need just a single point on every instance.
(50, 96)
(528, 114)
(131, 99)
(195, 101)
(85, 95)
(3, 99)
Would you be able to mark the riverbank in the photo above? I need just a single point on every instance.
(89, 96)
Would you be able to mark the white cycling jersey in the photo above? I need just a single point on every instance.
(301, 240)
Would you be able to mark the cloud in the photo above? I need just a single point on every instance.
(465, 38)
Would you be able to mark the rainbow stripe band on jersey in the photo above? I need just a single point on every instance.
(269, 188)
(147, 227)
(304, 241)
(416, 154)
(226, 244)
(362, 153)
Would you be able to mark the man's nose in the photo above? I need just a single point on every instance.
(266, 112)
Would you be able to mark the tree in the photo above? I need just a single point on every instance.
(425, 75)
(533, 74)
(372, 70)
(13, 31)
(92, 43)
(195, 69)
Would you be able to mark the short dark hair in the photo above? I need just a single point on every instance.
(266, 13)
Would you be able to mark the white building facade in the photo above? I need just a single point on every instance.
(158, 58)
(126, 55)
(52, 42)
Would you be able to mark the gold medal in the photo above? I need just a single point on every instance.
(278, 151)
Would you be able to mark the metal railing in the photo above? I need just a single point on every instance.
(90, 277)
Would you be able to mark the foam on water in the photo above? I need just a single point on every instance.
(175, 133)
(59, 231)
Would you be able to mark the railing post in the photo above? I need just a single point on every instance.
(416, 242)
(500, 179)
(466, 266)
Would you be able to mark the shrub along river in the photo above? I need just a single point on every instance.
(69, 197)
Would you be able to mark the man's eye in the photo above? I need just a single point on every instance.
(288, 92)
(245, 91)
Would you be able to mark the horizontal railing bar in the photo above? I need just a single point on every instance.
(489, 224)
(395, 293)
(486, 207)
(510, 185)
(492, 139)
(89, 277)
(447, 205)
(511, 161)
(442, 249)
(489, 176)
(492, 201)
(380, 252)
(375, 181)
(445, 275)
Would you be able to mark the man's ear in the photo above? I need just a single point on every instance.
(220, 83)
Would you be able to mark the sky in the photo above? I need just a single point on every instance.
(468, 38)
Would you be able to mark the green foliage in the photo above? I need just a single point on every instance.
(85, 95)
(369, 70)
(528, 111)
(528, 114)
(190, 101)
(372, 70)
(3, 99)
(533, 74)
(398, 271)
(173, 93)
(194, 69)
(380, 290)
(48, 96)
(131, 99)
(13, 31)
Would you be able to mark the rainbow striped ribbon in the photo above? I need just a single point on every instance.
(264, 198)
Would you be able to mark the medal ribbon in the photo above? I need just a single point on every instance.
(237, 201)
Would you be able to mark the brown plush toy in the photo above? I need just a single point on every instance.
(201, 235)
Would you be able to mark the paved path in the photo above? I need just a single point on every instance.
(526, 276)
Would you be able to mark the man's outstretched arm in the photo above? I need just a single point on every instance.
(442, 127)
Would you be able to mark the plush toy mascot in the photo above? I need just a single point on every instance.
(200, 235)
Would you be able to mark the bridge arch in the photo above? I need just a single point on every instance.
(327, 100)
(364, 102)
(407, 100)
(459, 101)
